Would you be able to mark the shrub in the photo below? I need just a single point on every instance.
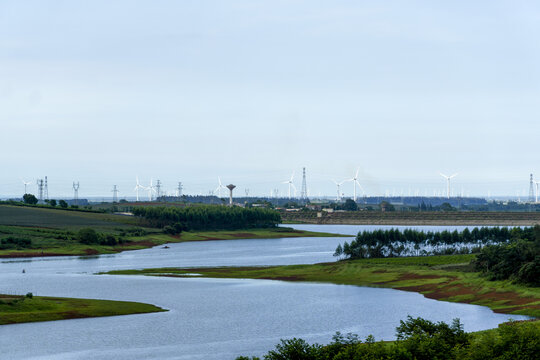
(88, 236)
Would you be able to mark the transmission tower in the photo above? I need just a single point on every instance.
(179, 190)
(158, 190)
(247, 192)
(531, 189)
(76, 192)
(40, 189)
(115, 192)
(303, 194)
(46, 189)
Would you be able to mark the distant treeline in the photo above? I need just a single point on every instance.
(502, 253)
(420, 339)
(208, 217)
(394, 243)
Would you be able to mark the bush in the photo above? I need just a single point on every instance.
(29, 295)
(88, 236)
(30, 199)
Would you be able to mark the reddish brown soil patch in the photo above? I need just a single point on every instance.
(413, 276)
(145, 243)
(32, 254)
(217, 270)
(91, 251)
(516, 308)
(447, 290)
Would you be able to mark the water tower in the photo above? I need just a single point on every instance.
(230, 187)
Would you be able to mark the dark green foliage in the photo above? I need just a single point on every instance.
(294, 349)
(518, 260)
(350, 205)
(420, 339)
(29, 295)
(30, 199)
(63, 204)
(12, 242)
(88, 236)
(424, 339)
(209, 217)
(52, 203)
(174, 229)
(394, 242)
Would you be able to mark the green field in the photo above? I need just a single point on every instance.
(445, 278)
(16, 309)
(53, 232)
(58, 218)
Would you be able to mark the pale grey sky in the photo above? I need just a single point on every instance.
(102, 91)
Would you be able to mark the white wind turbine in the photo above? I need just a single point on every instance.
(338, 184)
(536, 183)
(291, 184)
(150, 189)
(26, 183)
(137, 187)
(448, 183)
(355, 181)
(220, 186)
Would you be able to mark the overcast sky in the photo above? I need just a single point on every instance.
(103, 91)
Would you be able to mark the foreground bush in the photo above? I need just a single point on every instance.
(421, 339)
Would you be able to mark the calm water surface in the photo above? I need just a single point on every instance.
(211, 318)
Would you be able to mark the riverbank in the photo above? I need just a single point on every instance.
(446, 278)
(55, 247)
(435, 218)
(16, 309)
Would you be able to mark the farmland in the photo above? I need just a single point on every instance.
(414, 218)
(30, 232)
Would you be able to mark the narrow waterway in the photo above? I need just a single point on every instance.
(210, 318)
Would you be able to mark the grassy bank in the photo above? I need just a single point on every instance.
(480, 218)
(20, 309)
(445, 278)
(53, 242)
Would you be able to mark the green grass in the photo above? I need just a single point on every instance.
(439, 277)
(57, 218)
(20, 309)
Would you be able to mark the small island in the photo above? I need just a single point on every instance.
(16, 309)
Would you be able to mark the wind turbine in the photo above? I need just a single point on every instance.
(338, 184)
(355, 181)
(150, 189)
(536, 183)
(291, 184)
(448, 183)
(26, 183)
(137, 187)
(220, 186)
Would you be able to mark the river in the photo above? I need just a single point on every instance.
(211, 318)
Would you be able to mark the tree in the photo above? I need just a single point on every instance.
(88, 236)
(30, 199)
(350, 205)
(52, 203)
(63, 204)
(339, 251)
(447, 207)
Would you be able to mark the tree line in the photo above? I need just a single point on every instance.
(208, 217)
(420, 339)
(395, 243)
